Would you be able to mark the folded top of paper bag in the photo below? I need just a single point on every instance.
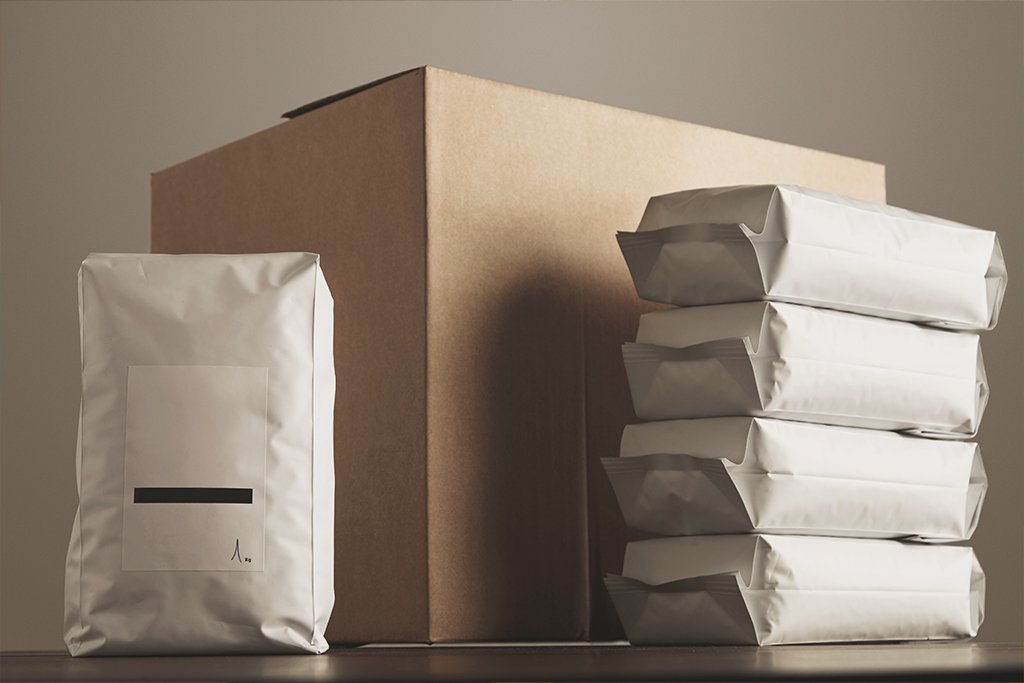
(786, 243)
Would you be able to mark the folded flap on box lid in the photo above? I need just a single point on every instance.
(330, 99)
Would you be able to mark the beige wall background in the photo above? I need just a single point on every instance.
(95, 95)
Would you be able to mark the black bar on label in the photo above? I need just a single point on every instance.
(179, 494)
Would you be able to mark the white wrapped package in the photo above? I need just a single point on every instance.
(205, 457)
(794, 362)
(785, 243)
(731, 475)
(771, 590)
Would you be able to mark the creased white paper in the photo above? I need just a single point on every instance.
(733, 475)
(794, 362)
(786, 243)
(770, 590)
(205, 457)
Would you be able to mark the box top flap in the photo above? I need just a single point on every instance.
(299, 111)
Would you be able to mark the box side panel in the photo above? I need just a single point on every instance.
(345, 181)
(529, 301)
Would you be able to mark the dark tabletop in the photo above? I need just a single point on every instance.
(879, 662)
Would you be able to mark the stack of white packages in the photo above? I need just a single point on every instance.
(785, 473)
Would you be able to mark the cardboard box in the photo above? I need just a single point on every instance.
(467, 230)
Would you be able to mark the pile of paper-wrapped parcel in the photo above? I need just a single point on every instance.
(783, 473)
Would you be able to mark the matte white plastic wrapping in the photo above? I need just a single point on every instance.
(770, 590)
(205, 457)
(731, 475)
(794, 362)
(785, 243)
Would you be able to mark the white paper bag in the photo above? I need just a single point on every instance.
(731, 475)
(770, 590)
(796, 362)
(785, 243)
(205, 456)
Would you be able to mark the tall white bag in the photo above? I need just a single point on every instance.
(205, 456)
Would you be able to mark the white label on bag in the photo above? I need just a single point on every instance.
(195, 468)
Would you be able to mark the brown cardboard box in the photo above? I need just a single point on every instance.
(467, 230)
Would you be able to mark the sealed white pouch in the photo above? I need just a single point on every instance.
(732, 475)
(786, 243)
(780, 360)
(772, 590)
(205, 456)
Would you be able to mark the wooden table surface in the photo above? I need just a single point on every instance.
(878, 662)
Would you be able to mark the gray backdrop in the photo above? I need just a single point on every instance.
(94, 96)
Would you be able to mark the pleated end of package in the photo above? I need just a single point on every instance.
(205, 457)
(792, 244)
(744, 475)
(779, 360)
(772, 590)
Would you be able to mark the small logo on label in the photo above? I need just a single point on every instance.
(237, 555)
